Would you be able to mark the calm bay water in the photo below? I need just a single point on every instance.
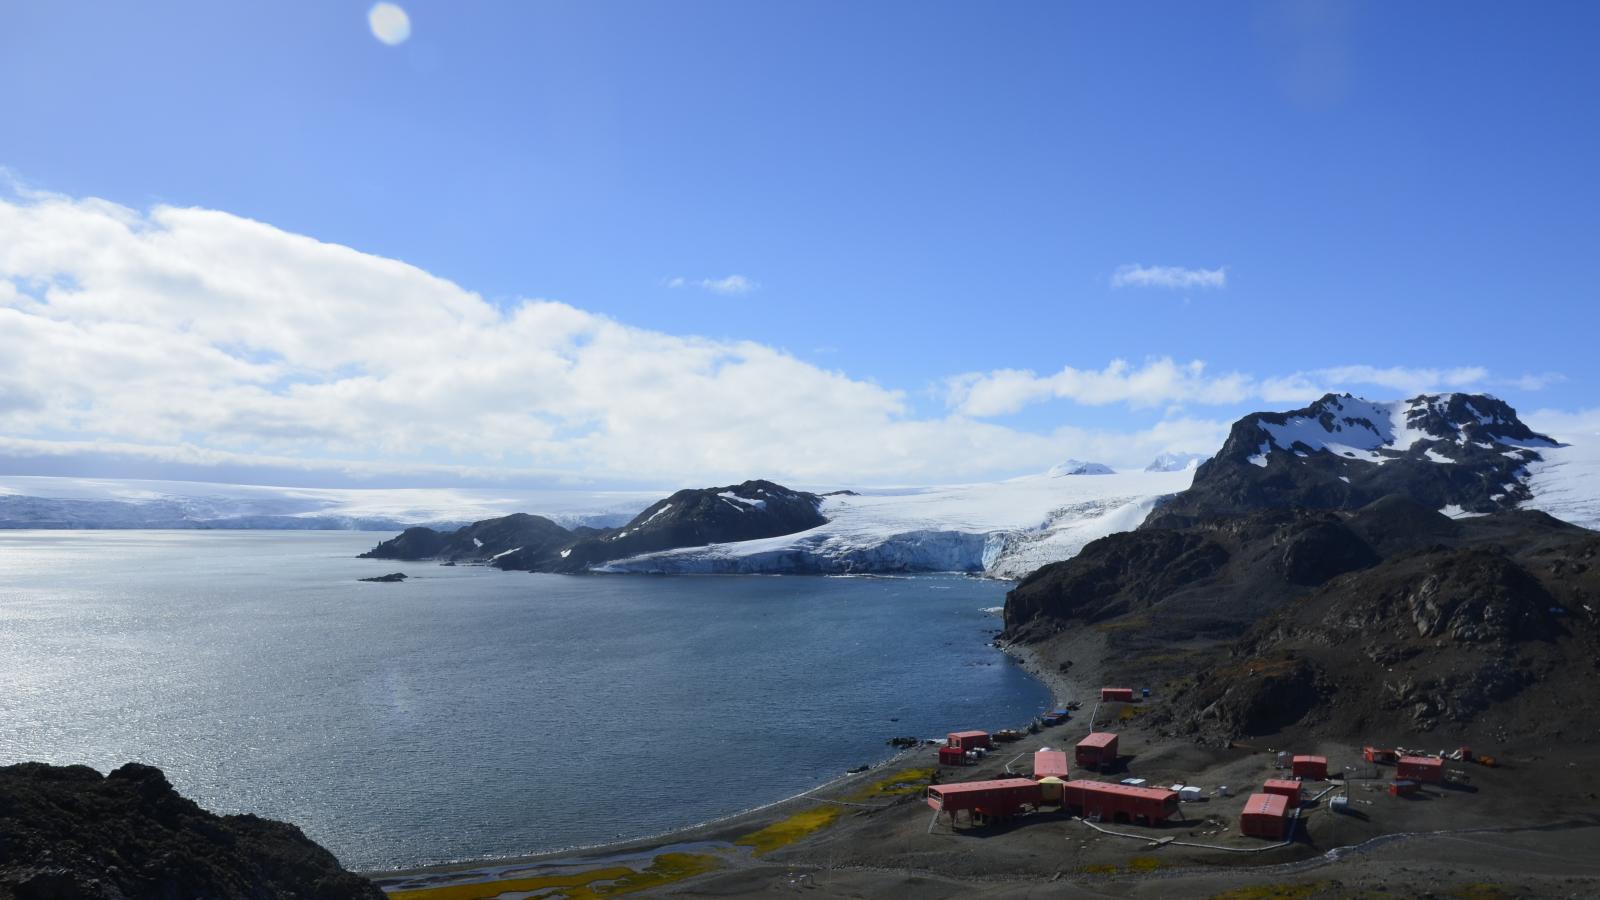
(469, 712)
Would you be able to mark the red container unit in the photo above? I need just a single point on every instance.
(999, 799)
(1379, 755)
(1098, 750)
(1265, 816)
(1050, 763)
(952, 756)
(1425, 769)
(1403, 788)
(1283, 787)
(1110, 693)
(1312, 767)
(968, 740)
(1119, 802)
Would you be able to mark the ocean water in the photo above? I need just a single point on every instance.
(470, 713)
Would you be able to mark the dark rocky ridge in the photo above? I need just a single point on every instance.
(688, 518)
(67, 833)
(1486, 445)
(478, 542)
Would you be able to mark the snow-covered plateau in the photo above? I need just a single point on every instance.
(28, 501)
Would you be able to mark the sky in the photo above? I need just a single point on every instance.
(656, 244)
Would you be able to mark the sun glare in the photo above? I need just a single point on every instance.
(389, 23)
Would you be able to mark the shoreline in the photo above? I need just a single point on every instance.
(699, 832)
(714, 831)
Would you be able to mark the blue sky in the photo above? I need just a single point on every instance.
(910, 192)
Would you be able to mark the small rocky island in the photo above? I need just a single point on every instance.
(68, 832)
(391, 578)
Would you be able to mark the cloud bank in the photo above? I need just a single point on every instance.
(199, 339)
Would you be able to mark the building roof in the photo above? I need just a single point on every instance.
(1098, 739)
(1124, 790)
(1266, 805)
(1421, 761)
(967, 787)
(964, 734)
(1281, 783)
(1319, 759)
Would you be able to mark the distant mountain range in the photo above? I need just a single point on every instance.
(1457, 453)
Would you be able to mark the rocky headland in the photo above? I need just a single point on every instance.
(69, 833)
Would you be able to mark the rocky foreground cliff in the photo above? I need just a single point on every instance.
(69, 833)
(1310, 578)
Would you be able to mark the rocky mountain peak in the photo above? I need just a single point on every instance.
(1465, 452)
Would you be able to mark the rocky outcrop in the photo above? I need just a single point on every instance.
(67, 833)
(690, 518)
(479, 542)
(1468, 451)
(1422, 640)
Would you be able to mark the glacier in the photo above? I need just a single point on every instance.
(1000, 529)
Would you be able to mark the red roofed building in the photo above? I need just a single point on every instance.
(998, 799)
(1265, 816)
(1313, 767)
(1098, 750)
(1119, 802)
(1050, 764)
(968, 740)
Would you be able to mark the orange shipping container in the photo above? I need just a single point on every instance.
(1426, 769)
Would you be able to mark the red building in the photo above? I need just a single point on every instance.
(1313, 767)
(1378, 755)
(952, 756)
(1110, 693)
(1426, 769)
(1000, 799)
(1265, 816)
(1283, 787)
(1403, 788)
(1119, 802)
(1097, 750)
(968, 740)
(1050, 763)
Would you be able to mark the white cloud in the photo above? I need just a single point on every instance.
(1176, 277)
(203, 338)
(1158, 382)
(731, 284)
(1164, 382)
(196, 338)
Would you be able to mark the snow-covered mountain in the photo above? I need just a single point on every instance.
(1002, 529)
(1079, 467)
(1460, 452)
(1176, 462)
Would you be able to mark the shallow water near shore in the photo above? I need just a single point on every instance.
(468, 713)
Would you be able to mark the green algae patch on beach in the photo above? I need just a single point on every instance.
(1136, 865)
(785, 832)
(909, 781)
(610, 881)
